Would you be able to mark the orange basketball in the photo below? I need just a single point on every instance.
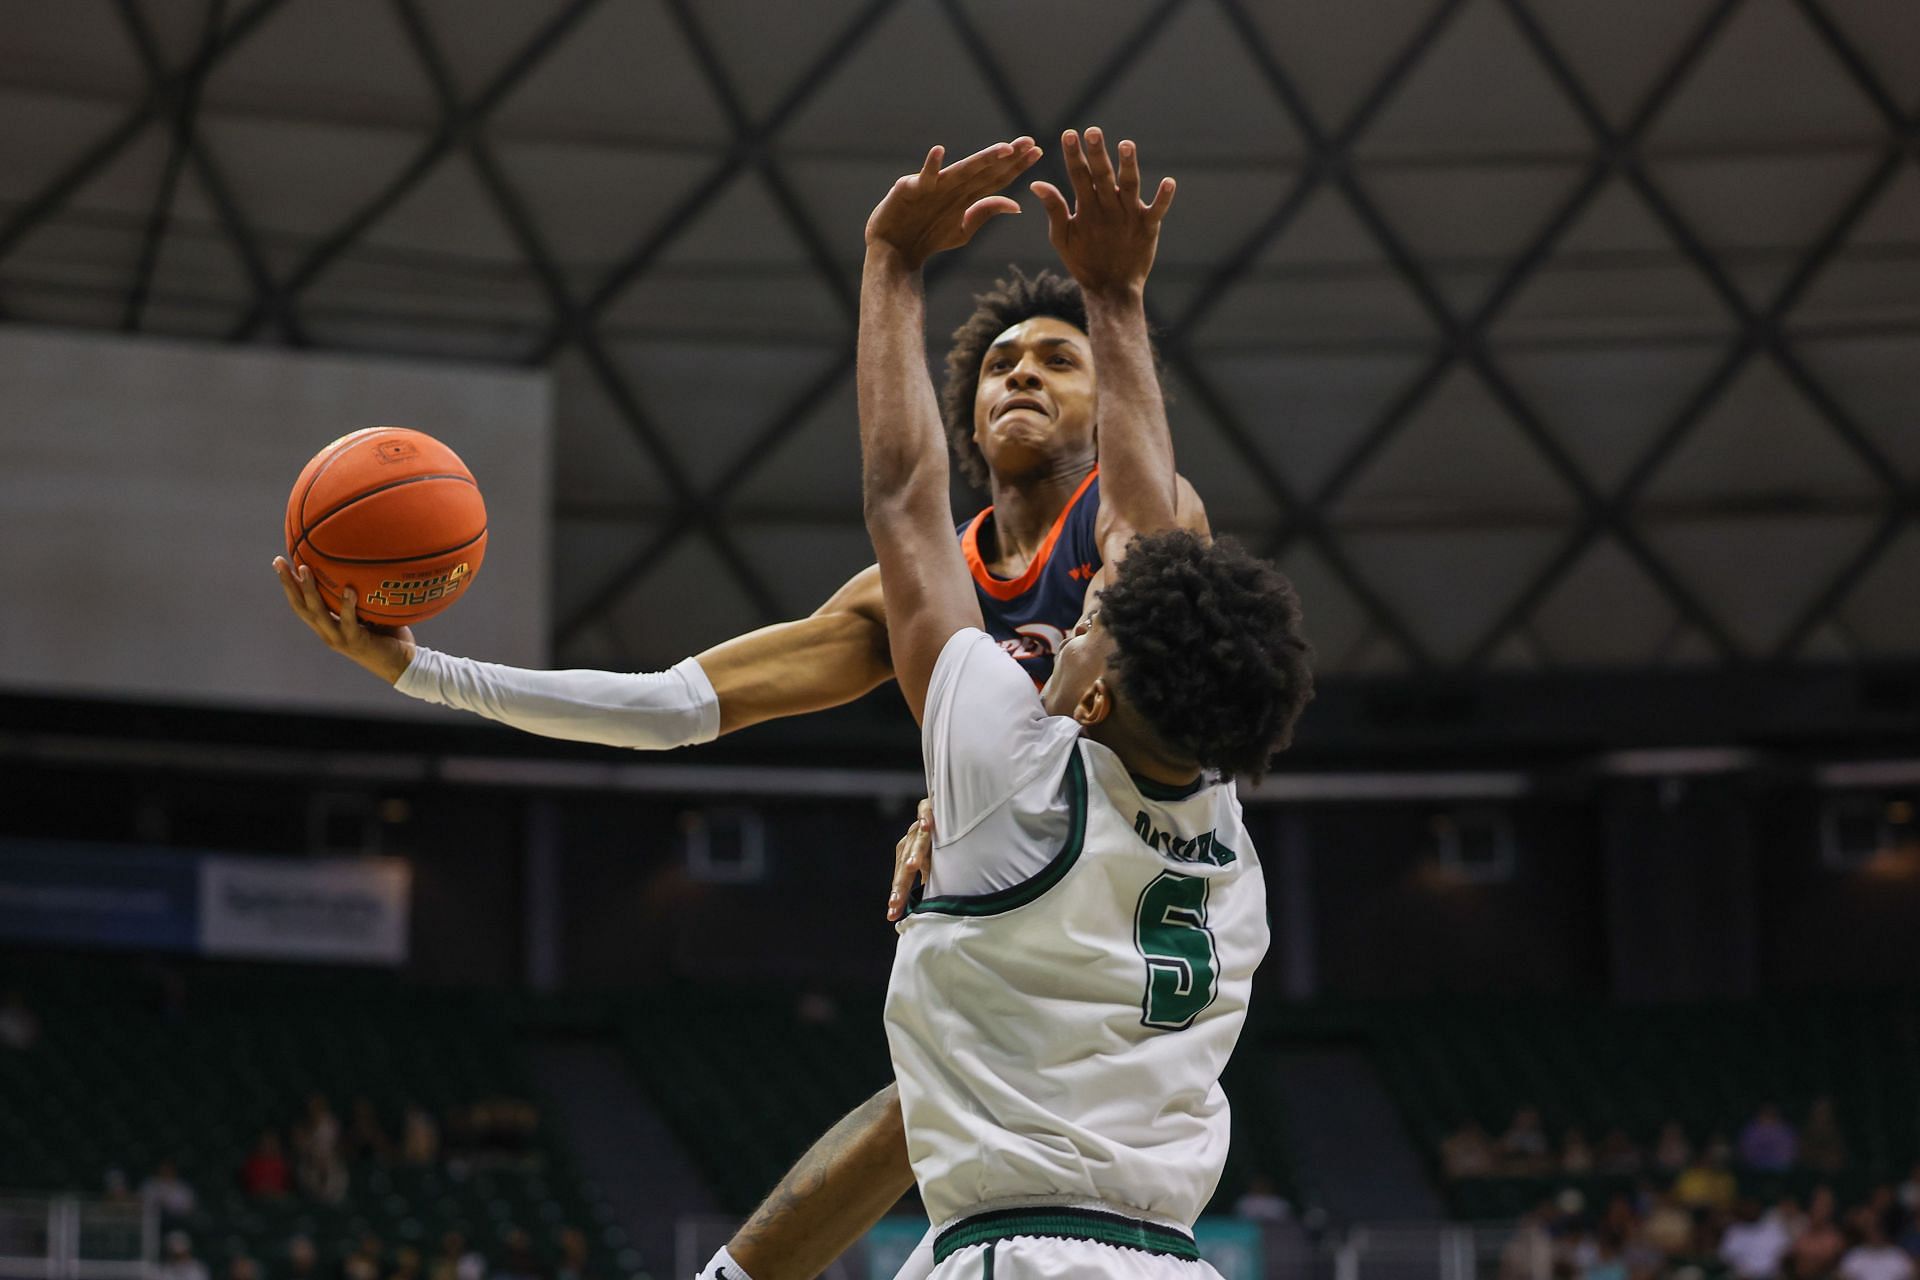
(395, 515)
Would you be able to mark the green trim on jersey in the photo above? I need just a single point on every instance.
(1019, 895)
(1151, 790)
(1063, 1224)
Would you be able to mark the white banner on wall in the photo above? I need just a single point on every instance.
(143, 489)
(331, 909)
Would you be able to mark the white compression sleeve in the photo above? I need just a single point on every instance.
(647, 711)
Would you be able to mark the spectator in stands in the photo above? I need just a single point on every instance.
(1668, 1227)
(1523, 1147)
(419, 1136)
(1909, 1238)
(1467, 1152)
(241, 1267)
(117, 1189)
(318, 1165)
(177, 1261)
(364, 1262)
(1618, 1157)
(1823, 1148)
(1820, 1243)
(1528, 1255)
(1609, 1261)
(1707, 1183)
(408, 1265)
(520, 1264)
(1576, 1157)
(1876, 1257)
(303, 1260)
(1672, 1152)
(168, 1191)
(1769, 1144)
(19, 1028)
(455, 1261)
(1755, 1243)
(265, 1175)
(366, 1138)
(1262, 1202)
(573, 1255)
(317, 1135)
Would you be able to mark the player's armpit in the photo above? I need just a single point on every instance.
(809, 664)
(1114, 533)
(844, 1184)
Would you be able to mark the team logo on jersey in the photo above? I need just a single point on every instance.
(1205, 847)
(1034, 640)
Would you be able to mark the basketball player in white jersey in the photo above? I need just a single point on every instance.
(1067, 991)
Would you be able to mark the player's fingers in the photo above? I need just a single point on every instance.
(1129, 173)
(909, 870)
(1162, 200)
(1055, 206)
(924, 813)
(309, 593)
(980, 212)
(284, 573)
(902, 876)
(931, 166)
(986, 159)
(1099, 164)
(348, 627)
(1074, 158)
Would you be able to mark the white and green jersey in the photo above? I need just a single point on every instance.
(1066, 994)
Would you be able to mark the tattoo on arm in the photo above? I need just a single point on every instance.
(845, 1183)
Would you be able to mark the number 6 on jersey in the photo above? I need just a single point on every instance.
(1170, 928)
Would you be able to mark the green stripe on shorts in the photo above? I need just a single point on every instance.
(1064, 1224)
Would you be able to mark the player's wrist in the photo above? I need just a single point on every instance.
(888, 259)
(723, 1266)
(396, 661)
(1115, 295)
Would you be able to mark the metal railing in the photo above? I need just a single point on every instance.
(77, 1238)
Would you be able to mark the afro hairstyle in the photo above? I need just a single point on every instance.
(1208, 649)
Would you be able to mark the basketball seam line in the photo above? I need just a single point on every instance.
(340, 449)
(308, 542)
(306, 530)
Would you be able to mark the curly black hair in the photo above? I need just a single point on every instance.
(1019, 297)
(1209, 649)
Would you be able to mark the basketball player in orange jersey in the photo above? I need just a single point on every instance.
(1020, 405)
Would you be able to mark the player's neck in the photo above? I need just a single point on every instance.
(1025, 507)
(1140, 750)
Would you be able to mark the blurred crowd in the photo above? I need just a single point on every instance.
(1650, 1234)
(1767, 1143)
(1687, 1215)
(314, 1159)
(371, 1259)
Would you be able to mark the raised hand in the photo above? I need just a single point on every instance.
(938, 209)
(385, 651)
(1107, 239)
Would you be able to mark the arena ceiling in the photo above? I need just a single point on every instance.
(1525, 333)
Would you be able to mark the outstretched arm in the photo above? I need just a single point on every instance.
(843, 1185)
(790, 668)
(1107, 242)
(903, 452)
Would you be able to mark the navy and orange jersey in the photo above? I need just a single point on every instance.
(1032, 614)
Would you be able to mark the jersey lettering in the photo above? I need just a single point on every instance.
(1205, 847)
